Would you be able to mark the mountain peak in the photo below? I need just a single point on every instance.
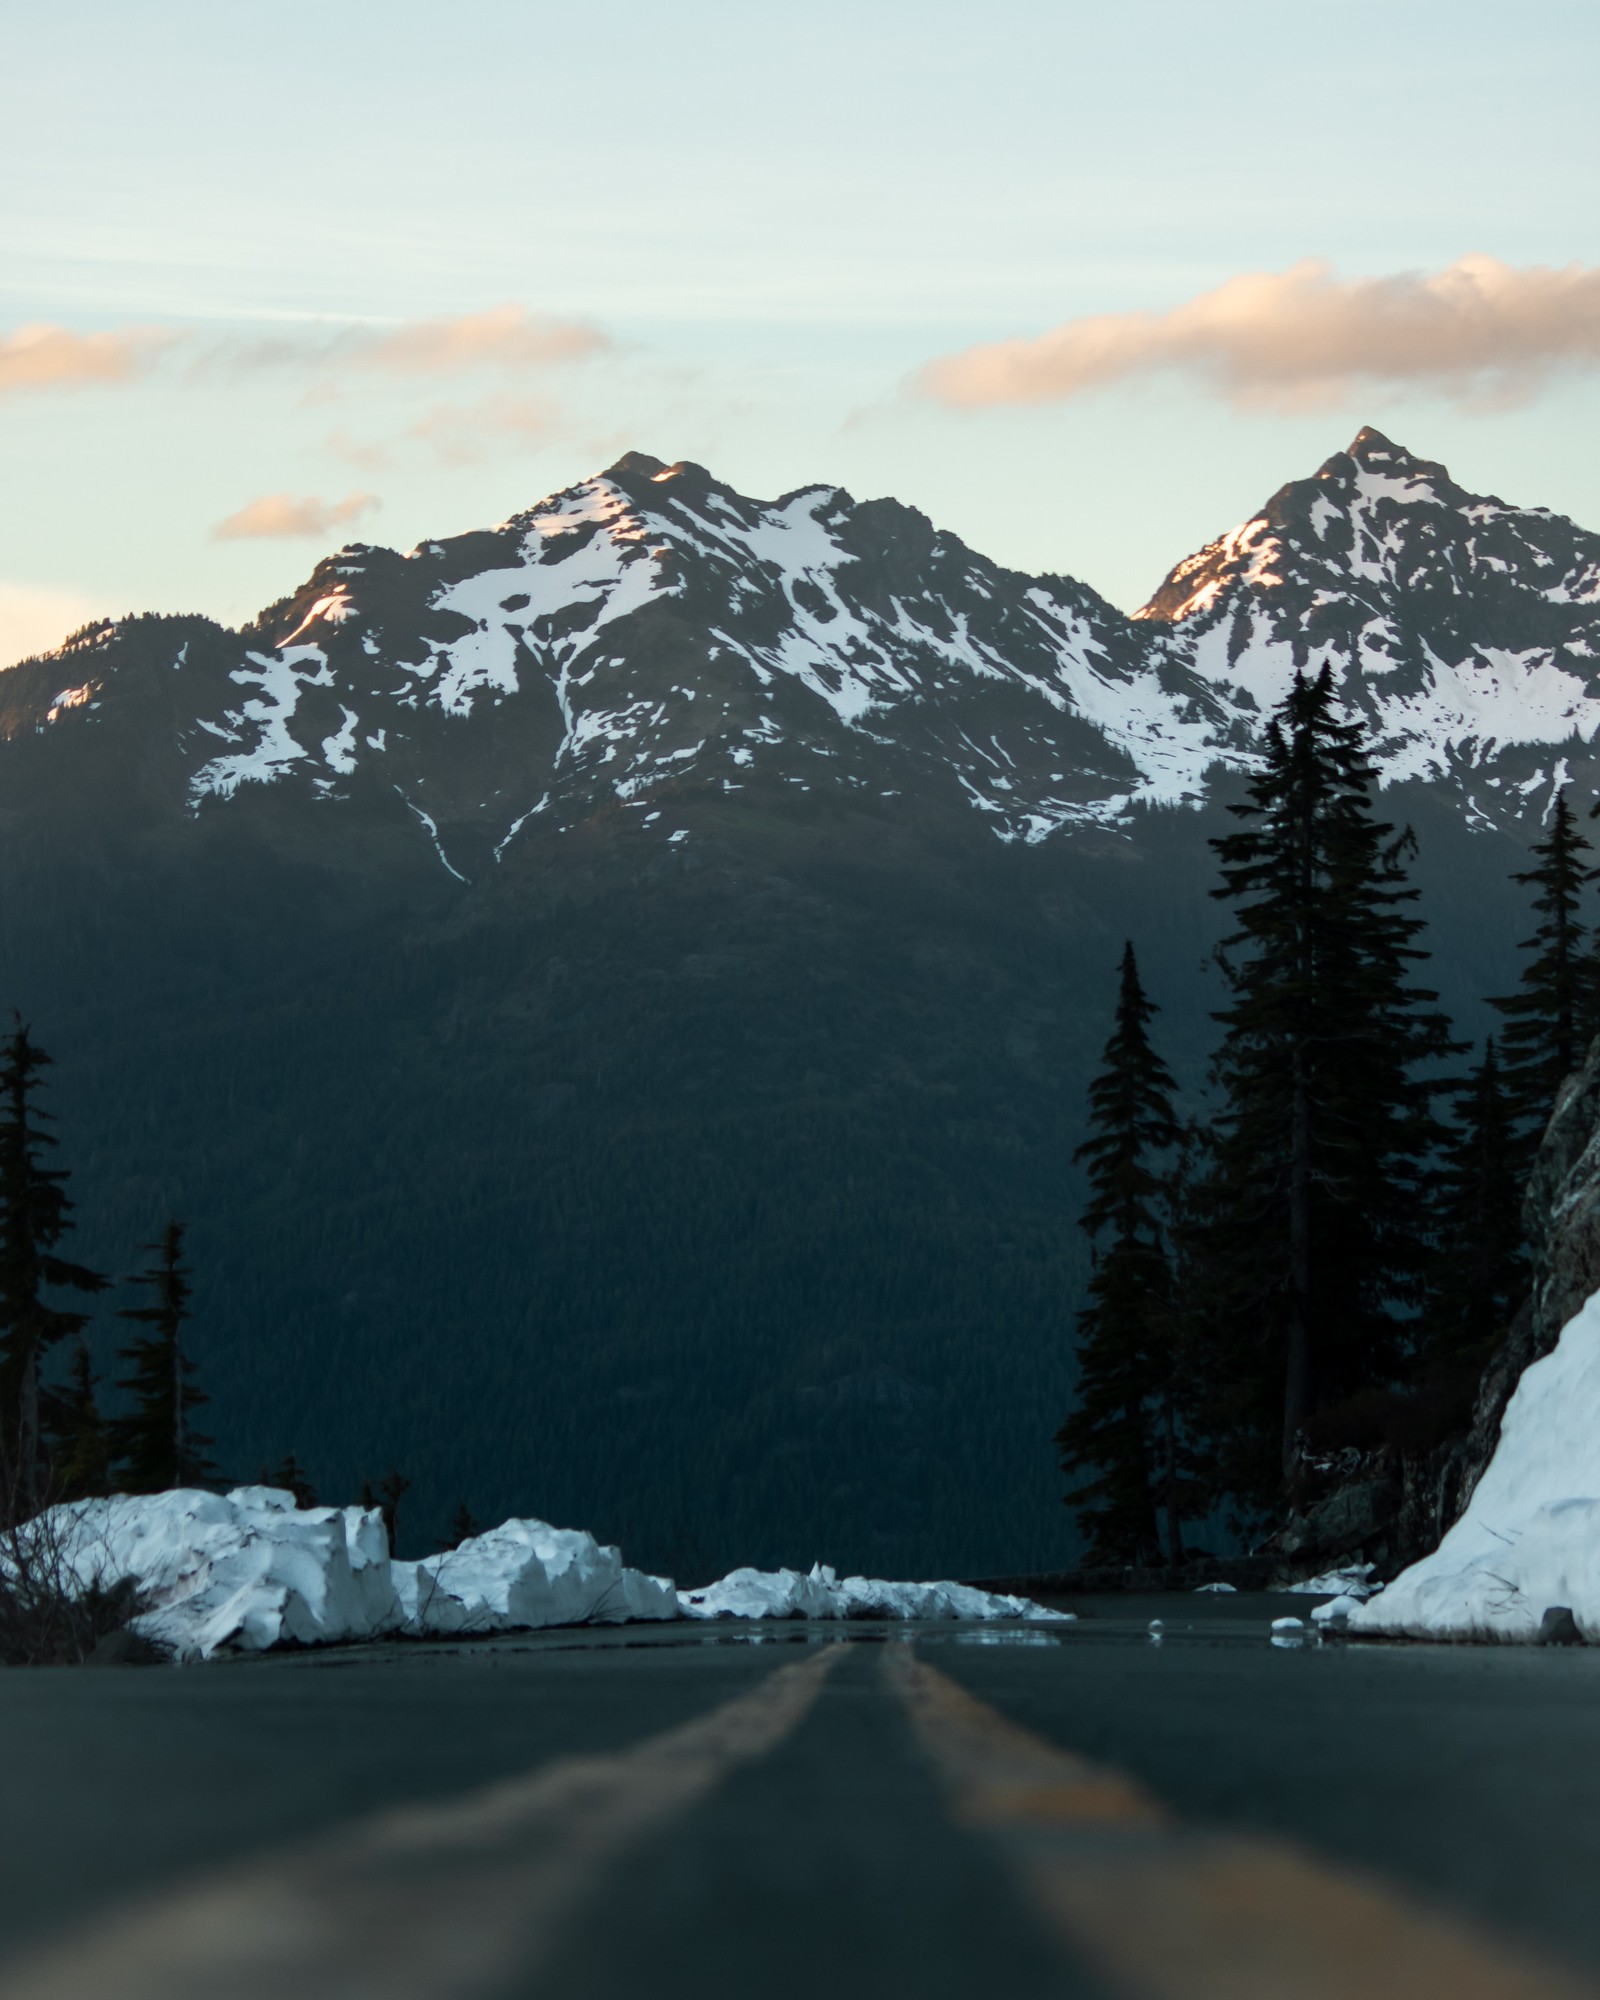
(634, 464)
(1369, 451)
(1370, 446)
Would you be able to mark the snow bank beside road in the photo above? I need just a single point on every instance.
(785, 1593)
(248, 1570)
(523, 1575)
(1530, 1537)
(244, 1570)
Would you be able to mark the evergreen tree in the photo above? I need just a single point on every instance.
(464, 1524)
(1112, 1434)
(1317, 1224)
(156, 1442)
(34, 1216)
(291, 1477)
(1551, 1015)
(1482, 1275)
(80, 1438)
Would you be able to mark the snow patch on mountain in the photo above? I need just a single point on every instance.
(261, 726)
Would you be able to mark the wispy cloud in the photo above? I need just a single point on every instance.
(458, 433)
(283, 515)
(465, 434)
(40, 356)
(1478, 332)
(506, 337)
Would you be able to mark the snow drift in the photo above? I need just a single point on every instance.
(248, 1570)
(1530, 1537)
(785, 1593)
(522, 1575)
(245, 1570)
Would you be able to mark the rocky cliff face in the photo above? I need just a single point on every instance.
(1393, 1507)
(1562, 1212)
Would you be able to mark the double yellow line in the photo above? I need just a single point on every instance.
(1169, 1912)
(451, 1901)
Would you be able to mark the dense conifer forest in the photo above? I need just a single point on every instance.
(1316, 1272)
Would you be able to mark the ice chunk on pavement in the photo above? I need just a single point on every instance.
(1215, 1590)
(1530, 1536)
(238, 1571)
(786, 1593)
(523, 1575)
(1336, 1611)
(1288, 1624)
(1353, 1581)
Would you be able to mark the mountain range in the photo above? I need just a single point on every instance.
(612, 994)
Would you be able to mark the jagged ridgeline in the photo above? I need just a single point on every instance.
(613, 995)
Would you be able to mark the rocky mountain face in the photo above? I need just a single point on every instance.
(1465, 633)
(612, 995)
(650, 634)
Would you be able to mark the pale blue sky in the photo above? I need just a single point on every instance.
(775, 218)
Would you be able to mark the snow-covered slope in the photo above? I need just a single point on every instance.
(1466, 632)
(1530, 1538)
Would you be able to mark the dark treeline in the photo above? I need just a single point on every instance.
(1315, 1273)
(56, 1442)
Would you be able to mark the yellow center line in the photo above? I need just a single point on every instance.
(434, 1902)
(1169, 1912)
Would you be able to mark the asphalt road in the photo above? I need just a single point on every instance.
(931, 1811)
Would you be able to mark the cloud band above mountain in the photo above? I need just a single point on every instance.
(1478, 332)
(54, 357)
(277, 516)
(507, 338)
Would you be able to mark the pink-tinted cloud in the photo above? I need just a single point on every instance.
(506, 336)
(282, 515)
(39, 356)
(458, 433)
(1477, 332)
(466, 434)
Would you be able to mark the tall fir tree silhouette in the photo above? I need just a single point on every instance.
(1482, 1272)
(1115, 1433)
(1550, 1017)
(1317, 1214)
(35, 1214)
(79, 1435)
(156, 1443)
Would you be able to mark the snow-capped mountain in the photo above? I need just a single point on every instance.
(1464, 631)
(613, 994)
(651, 637)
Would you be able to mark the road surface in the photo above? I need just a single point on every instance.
(931, 1811)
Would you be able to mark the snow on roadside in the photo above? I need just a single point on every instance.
(1530, 1537)
(244, 1571)
(1354, 1581)
(785, 1593)
(248, 1570)
(523, 1575)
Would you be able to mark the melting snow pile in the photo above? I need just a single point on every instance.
(522, 1575)
(785, 1593)
(248, 1570)
(1530, 1537)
